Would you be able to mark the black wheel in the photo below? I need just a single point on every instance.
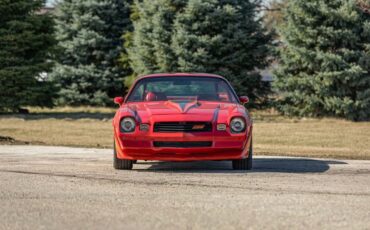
(121, 164)
(244, 164)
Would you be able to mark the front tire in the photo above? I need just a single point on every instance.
(244, 164)
(119, 163)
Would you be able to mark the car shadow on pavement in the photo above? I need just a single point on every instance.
(271, 164)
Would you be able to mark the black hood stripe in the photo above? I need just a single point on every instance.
(183, 105)
(215, 114)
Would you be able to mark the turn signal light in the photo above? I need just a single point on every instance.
(221, 127)
(144, 127)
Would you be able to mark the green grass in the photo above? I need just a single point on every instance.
(273, 134)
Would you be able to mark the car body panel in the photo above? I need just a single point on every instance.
(139, 145)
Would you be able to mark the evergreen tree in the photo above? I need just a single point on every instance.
(216, 36)
(325, 63)
(223, 37)
(151, 51)
(26, 40)
(273, 15)
(89, 35)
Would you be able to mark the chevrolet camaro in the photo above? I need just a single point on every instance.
(182, 117)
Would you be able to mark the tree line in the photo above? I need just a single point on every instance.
(87, 52)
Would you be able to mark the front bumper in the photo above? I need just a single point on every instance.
(224, 146)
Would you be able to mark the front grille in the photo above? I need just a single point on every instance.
(187, 144)
(173, 127)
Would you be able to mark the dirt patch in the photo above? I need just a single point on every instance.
(4, 140)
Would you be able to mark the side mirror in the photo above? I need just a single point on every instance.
(119, 100)
(244, 99)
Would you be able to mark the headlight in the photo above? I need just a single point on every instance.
(128, 125)
(237, 125)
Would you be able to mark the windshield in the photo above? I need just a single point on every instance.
(182, 88)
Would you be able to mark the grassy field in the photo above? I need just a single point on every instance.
(273, 134)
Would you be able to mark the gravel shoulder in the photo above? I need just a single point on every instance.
(44, 187)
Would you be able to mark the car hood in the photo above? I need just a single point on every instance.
(176, 107)
(206, 110)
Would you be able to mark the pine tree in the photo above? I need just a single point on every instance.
(89, 35)
(325, 60)
(151, 51)
(216, 36)
(26, 41)
(223, 37)
(273, 15)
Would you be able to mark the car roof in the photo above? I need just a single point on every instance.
(181, 75)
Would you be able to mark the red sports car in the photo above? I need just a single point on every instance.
(182, 117)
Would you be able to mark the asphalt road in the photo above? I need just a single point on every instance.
(75, 188)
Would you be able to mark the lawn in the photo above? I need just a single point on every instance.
(273, 134)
